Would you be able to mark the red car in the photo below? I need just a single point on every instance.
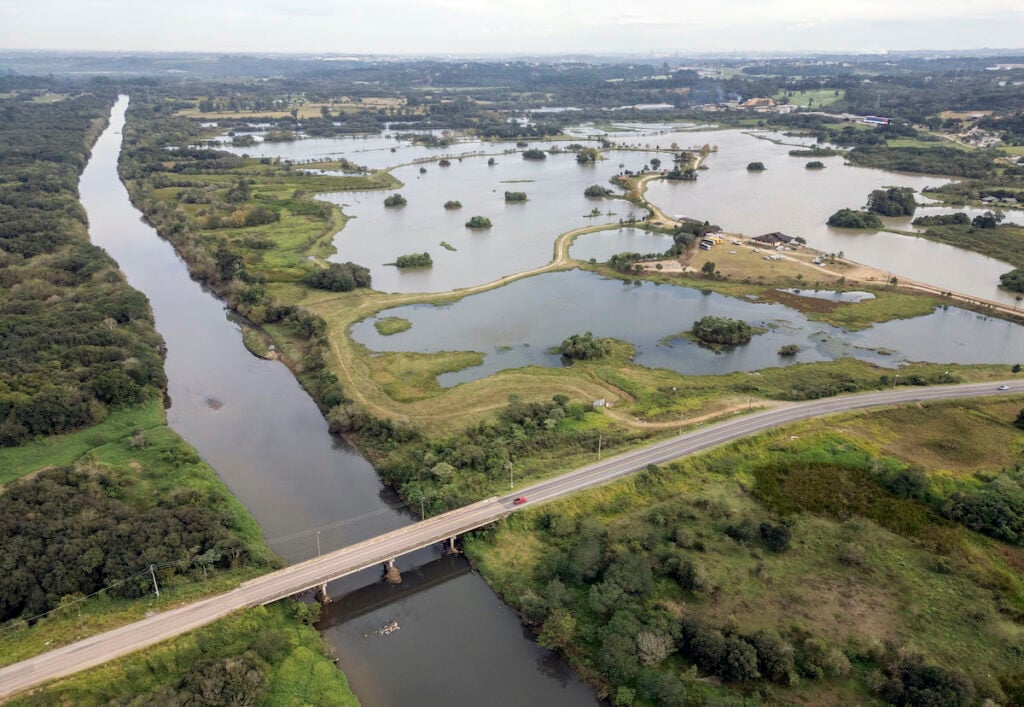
(519, 501)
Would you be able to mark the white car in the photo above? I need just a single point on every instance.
(1003, 387)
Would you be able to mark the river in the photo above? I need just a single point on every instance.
(266, 439)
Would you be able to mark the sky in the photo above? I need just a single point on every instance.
(448, 27)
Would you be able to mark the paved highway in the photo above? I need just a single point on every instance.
(375, 551)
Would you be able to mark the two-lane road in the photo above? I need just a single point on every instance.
(375, 551)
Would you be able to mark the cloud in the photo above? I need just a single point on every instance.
(454, 26)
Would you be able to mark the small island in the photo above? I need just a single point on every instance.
(413, 260)
(444, 163)
(815, 164)
(756, 167)
(395, 199)
(452, 205)
(789, 350)
(391, 325)
(534, 154)
(478, 222)
(596, 191)
(585, 347)
(722, 331)
(894, 201)
(512, 197)
(848, 218)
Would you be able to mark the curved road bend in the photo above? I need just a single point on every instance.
(375, 551)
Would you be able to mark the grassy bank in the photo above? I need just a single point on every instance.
(801, 553)
(266, 655)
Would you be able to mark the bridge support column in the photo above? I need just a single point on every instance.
(321, 594)
(391, 573)
(451, 549)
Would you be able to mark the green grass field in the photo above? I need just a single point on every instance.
(816, 98)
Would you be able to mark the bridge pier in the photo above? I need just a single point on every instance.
(321, 594)
(391, 573)
(451, 549)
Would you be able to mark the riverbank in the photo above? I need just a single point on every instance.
(182, 528)
(757, 547)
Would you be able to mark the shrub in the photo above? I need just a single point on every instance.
(395, 199)
(478, 222)
(789, 350)
(450, 205)
(597, 191)
(338, 277)
(414, 260)
(515, 196)
(756, 167)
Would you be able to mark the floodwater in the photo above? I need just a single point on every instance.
(785, 197)
(602, 245)
(521, 237)
(797, 201)
(503, 325)
(266, 439)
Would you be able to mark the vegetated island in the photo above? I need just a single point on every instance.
(848, 218)
(413, 260)
(534, 154)
(815, 164)
(512, 197)
(391, 325)
(596, 191)
(722, 332)
(756, 167)
(894, 201)
(395, 199)
(478, 222)
(585, 347)
(452, 205)
(448, 246)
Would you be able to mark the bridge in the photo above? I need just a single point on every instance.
(383, 549)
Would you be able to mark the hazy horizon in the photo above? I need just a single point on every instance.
(530, 27)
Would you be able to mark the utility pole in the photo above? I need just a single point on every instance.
(152, 573)
(318, 543)
(599, 447)
(423, 507)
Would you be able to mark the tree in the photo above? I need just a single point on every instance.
(584, 347)
(1013, 280)
(653, 647)
(655, 164)
(395, 199)
(721, 330)
(848, 218)
(451, 205)
(815, 164)
(558, 631)
(708, 268)
(756, 167)
(597, 191)
(894, 201)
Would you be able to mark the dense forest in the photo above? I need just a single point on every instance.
(75, 339)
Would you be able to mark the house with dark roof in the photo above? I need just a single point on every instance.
(773, 239)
